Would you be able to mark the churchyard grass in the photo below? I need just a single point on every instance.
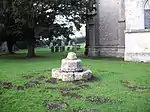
(117, 86)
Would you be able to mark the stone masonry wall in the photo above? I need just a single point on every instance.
(109, 39)
(137, 46)
(137, 38)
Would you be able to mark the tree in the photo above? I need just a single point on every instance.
(9, 31)
(32, 13)
(28, 14)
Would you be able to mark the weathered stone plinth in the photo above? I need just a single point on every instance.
(71, 65)
(71, 69)
(71, 76)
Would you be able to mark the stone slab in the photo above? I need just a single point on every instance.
(71, 65)
(71, 76)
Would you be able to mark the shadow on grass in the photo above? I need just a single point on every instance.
(22, 56)
(134, 87)
(46, 54)
(55, 55)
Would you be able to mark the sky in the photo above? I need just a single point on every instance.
(62, 20)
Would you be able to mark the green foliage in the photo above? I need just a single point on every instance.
(22, 14)
(9, 29)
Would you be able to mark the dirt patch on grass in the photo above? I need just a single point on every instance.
(83, 110)
(6, 85)
(55, 105)
(41, 78)
(78, 82)
(32, 84)
(51, 88)
(93, 79)
(63, 88)
(69, 89)
(20, 87)
(134, 87)
(96, 99)
(51, 80)
(9, 85)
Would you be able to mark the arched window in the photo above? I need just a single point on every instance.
(147, 14)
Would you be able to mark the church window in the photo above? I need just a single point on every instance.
(147, 14)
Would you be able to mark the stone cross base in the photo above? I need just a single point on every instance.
(71, 65)
(71, 76)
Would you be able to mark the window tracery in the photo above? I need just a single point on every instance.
(147, 14)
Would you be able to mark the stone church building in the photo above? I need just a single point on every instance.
(120, 28)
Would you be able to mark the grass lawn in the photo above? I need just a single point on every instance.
(26, 85)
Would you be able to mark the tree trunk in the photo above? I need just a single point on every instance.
(87, 39)
(30, 40)
(86, 50)
(31, 50)
(10, 47)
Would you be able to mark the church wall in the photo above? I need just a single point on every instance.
(134, 14)
(137, 38)
(137, 46)
(110, 25)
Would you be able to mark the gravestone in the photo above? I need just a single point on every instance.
(51, 46)
(69, 43)
(3, 47)
(73, 43)
(62, 46)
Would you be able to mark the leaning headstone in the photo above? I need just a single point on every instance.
(69, 43)
(62, 46)
(73, 43)
(3, 47)
(71, 69)
(51, 46)
(59, 49)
